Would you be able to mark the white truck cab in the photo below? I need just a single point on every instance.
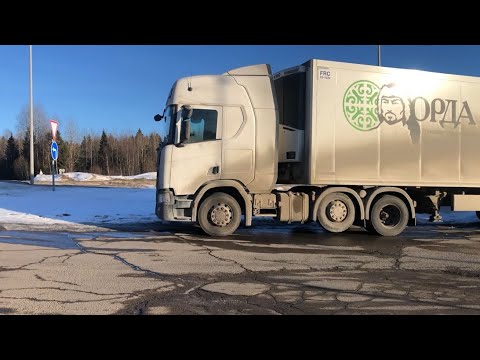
(219, 135)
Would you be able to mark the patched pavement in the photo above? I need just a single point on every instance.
(267, 269)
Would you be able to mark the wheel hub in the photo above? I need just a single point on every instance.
(221, 215)
(390, 216)
(337, 211)
(384, 216)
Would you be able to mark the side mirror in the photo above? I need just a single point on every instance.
(158, 117)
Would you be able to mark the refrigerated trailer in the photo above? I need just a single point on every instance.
(331, 142)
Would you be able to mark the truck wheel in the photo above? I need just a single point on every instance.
(219, 215)
(389, 216)
(336, 212)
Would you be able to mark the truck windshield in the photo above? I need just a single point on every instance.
(167, 126)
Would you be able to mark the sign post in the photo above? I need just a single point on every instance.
(54, 152)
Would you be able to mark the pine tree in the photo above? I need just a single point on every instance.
(43, 149)
(140, 150)
(3, 148)
(11, 154)
(103, 153)
(62, 151)
(84, 160)
(81, 164)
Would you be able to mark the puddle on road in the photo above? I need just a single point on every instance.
(52, 240)
(59, 240)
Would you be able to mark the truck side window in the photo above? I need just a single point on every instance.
(203, 125)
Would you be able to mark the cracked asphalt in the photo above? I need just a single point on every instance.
(157, 269)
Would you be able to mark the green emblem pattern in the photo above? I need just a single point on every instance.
(360, 105)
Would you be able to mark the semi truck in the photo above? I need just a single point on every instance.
(336, 143)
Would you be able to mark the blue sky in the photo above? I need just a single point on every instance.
(121, 88)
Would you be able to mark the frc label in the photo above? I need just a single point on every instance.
(324, 74)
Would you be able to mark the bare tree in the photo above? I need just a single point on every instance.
(72, 138)
(40, 121)
(41, 126)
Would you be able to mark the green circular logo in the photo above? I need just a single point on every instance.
(360, 105)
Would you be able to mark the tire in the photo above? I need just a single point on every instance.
(336, 212)
(389, 216)
(219, 215)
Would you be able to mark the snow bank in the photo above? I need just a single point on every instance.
(81, 176)
(146, 176)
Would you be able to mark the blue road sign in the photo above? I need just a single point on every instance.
(54, 150)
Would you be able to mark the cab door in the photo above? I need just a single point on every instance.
(199, 159)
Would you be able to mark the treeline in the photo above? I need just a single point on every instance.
(107, 154)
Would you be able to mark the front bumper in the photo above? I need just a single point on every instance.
(172, 208)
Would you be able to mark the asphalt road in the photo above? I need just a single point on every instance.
(266, 269)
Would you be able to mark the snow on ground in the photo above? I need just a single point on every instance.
(146, 176)
(80, 207)
(71, 206)
(81, 176)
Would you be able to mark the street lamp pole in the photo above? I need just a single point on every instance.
(32, 181)
(379, 62)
